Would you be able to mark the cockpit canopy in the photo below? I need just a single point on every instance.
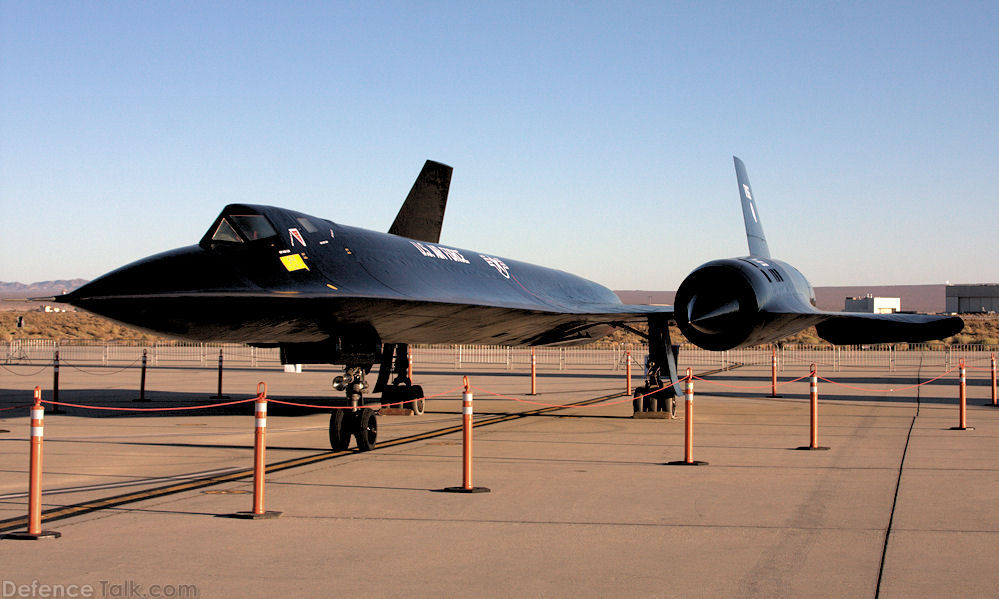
(236, 225)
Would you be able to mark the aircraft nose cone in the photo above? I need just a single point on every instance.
(177, 271)
(710, 317)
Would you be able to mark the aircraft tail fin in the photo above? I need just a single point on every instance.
(754, 228)
(422, 214)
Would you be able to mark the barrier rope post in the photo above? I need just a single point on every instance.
(688, 421)
(259, 461)
(773, 374)
(35, 531)
(993, 404)
(813, 407)
(219, 394)
(963, 400)
(55, 383)
(466, 449)
(409, 364)
(142, 379)
(534, 373)
(627, 371)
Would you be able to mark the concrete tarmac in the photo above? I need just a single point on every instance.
(581, 502)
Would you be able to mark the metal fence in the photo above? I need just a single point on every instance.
(117, 353)
(882, 357)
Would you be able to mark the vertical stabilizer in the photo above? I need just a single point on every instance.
(422, 214)
(754, 228)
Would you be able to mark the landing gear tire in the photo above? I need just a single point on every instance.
(340, 430)
(671, 403)
(366, 429)
(638, 400)
(419, 403)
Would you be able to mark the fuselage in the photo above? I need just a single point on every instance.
(295, 278)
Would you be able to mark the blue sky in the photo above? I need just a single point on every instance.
(592, 137)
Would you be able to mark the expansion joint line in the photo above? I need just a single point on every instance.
(898, 483)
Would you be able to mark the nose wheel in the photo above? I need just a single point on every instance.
(354, 420)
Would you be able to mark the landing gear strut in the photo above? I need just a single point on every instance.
(402, 392)
(354, 420)
(655, 397)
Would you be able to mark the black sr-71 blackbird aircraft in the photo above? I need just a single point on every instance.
(324, 292)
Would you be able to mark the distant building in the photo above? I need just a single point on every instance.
(873, 305)
(967, 299)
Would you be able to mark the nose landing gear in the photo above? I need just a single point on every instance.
(353, 420)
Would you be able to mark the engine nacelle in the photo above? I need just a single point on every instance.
(737, 302)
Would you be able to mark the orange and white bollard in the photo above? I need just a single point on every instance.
(35, 531)
(773, 374)
(963, 401)
(534, 373)
(259, 458)
(466, 446)
(627, 372)
(813, 408)
(688, 421)
(409, 364)
(994, 380)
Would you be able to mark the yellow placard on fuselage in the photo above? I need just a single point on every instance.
(294, 262)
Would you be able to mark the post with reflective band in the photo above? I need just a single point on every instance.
(813, 405)
(466, 451)
(35, 531)
(219, 394)
(773, 374)
(259, 461)
(409, 364)
(534, 373)
(993, 381)
(688, 421)
(627, 372)
(963, 401)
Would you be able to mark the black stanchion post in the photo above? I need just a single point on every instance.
(142, 379)
(55, 383)
(219, 395)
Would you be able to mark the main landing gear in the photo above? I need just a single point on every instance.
(655, 398)
(355, 420)
(402, 393)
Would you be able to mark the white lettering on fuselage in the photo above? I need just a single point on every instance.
(498, 264)
(441, 253)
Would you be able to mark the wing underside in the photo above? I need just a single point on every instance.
(856, 329)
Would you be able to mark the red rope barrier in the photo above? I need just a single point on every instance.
(112, 408)
(306, 405)
(893, 389)
(498, 395)
(751, 387)
(593, 405)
